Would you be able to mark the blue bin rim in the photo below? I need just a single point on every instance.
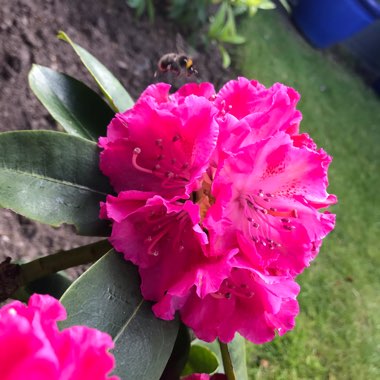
(372, 6)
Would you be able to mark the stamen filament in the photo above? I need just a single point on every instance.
(136, 152)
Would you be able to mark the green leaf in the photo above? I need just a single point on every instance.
(179, 355)
(54, 178)
(226, 59)
(107, 297)
(54, 284)
(235, 39)
(150, 10)
(267, 5)
(228, 34)
(238, 355)
(113, 90)
(201, 360)
(217, 23)
(79, 110)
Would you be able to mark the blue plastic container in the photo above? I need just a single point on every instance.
(326, 22)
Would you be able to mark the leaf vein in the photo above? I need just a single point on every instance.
(50, 179)
(129, 320)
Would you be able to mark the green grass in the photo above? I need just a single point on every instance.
(337, 335)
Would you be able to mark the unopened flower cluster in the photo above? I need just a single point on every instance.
(220, 202)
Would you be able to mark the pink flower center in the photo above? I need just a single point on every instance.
(203, 196)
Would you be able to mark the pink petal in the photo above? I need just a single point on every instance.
(159, 234)
(181, 140)
(248, 302)
(31, 347)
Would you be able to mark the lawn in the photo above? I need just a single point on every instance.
(337, 335)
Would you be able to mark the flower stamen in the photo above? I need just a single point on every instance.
(136, 152)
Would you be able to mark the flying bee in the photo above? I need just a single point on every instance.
(177, 63)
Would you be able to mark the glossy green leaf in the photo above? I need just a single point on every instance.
(201, 360)
(107, 297)
(54, 284)
(79, 110)
(179, 356)
(54, 178)
(238, 355)
(113, 90)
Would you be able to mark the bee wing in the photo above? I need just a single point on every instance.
(180, 44)
(184, 48)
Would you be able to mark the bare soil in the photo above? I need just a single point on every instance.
(128, 46)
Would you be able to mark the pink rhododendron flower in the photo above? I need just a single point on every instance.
(247, 302)
(32, 347)
(267, 200)
(220, 203)
(162, 144)
(160, 234)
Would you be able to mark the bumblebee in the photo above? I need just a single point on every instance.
(176, 63)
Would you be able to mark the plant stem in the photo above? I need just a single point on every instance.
(61, 260)
(227, 363)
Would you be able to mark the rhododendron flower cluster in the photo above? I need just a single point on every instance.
(32, 347)
(219, 203)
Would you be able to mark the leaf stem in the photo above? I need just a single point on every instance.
(14, 276)
(227, 363)
(61, 260)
